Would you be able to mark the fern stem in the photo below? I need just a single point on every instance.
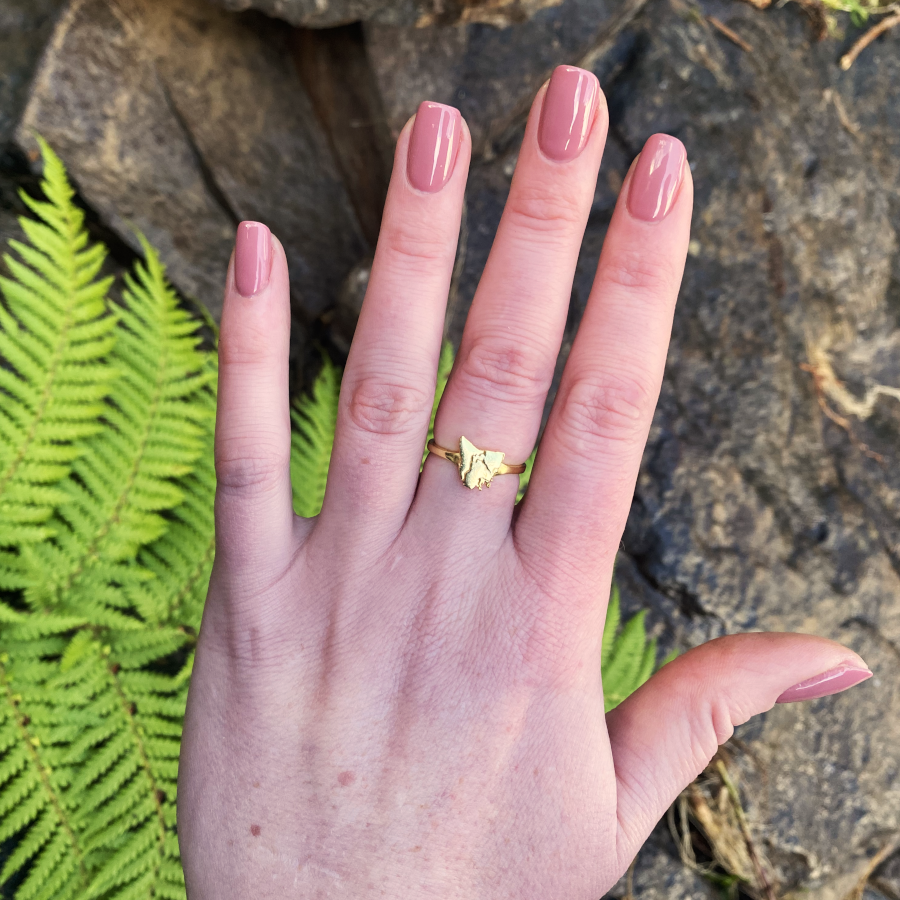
(148, 771)
(44, 773)
(47, 394)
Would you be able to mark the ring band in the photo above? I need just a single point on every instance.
(476, 467)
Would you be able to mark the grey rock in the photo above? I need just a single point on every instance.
(753, 509)
(658, 874)
(180, 120)
(328, 13)
(25, 27)
(334, 67)
(768, 498)
(490, 73)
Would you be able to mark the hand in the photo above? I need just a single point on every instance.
(402, 697)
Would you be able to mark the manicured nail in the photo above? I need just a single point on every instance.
(656, 178)
(830, 682)
(252, 258)
(432, 146)
(568, 112)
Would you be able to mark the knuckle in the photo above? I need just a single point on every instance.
(543, 209)
(377, 406)
(415, 243)
(637, 270)
(240, 466)
(611, 410)
(719, 719)
(251, 349)
(493, 368)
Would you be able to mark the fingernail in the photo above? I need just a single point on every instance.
(433, 146)
(830, 682)
(656, 177)
(252, 258)
(568, 112)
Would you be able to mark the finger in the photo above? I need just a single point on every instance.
(253, 433)
(585, 471)
(387, 391)
(664, 734)
(498, 386)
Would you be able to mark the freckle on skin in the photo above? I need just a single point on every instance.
(255, 784)
(346, 778)
(255, 830)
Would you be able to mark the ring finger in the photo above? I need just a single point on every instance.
(512, 336)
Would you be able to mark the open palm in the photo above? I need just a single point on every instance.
(402, 697)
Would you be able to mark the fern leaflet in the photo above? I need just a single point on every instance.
(55, 335)
(125, 476)
(314, 417)
(627, 658)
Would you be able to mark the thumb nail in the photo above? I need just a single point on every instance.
(830, 682)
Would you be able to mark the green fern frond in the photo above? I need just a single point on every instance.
(314, 417)
(525, 477)
(445, 365)
(89, 744)
(56, 333)
(35, 732)
(627, 658)
(125, 477)
(611, 626)
(181, 559)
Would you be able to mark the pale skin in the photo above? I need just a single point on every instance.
(402, 697)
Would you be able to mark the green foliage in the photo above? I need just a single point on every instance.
(106, 543)
(314, 417)
(859, 10)
(124, 479)
(56, 334)
(627, 658)
(107, 485)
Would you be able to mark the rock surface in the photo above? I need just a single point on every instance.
(755, 508)
(328, 13)
(180, 120)
(25, 27)
(491, 74)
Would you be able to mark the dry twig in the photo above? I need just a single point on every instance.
(732, 35)
(629, 880)
(874, 32)
(842, 114)
(887, 850)
(741, 816)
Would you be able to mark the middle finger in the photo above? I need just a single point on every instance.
(496, 392)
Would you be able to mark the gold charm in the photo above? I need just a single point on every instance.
(477, 467)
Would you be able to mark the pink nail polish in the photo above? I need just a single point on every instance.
(830, 682)
(655, 181)
(252, 258)
(433, 146)
(568, 112)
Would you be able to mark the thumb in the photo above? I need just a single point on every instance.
(665, 733)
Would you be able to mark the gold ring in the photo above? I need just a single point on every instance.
(476, 467)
